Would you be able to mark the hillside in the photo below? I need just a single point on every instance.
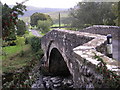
(53, 12)
(31, 10)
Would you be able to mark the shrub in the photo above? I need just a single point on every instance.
(21, 28)
(35, 43)
(27, 40)
(39, 54)
(20, 41)
(44, 26)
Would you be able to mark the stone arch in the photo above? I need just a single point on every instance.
(57, 64)
(48, 50)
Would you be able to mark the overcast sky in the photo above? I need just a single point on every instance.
(45, 3)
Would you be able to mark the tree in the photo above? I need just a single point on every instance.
(119, 13)
(116, 11)
(21, 27)
(44, 26)
(0, 20)
(39, 16)
(91, 13)
(9, 19)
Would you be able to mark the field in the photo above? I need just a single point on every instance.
(55, 15)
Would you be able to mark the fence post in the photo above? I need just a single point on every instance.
(109, 46)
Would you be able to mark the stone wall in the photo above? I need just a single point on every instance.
(77, 49)
(103, 30)
(88, 76)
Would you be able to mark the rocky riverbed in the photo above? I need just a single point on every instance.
(35, 79)
(51, 82)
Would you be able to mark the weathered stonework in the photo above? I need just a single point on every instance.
(77, 49)
(103, 30)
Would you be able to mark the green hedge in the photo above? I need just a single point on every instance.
(35, 43)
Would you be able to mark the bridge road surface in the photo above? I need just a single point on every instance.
(116, 49)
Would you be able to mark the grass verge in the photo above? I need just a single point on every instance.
(13, 59)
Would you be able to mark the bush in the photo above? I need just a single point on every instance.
(39, 54)
(21, 28)
(44, 26)
(27, 40)
(35, 43)
(8, 43)
(20, 41)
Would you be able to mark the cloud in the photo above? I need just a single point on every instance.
(46, 3)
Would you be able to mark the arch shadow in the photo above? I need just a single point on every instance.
(57, 64)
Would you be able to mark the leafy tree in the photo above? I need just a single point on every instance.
(91, 13)
(119, 13)
(9, 19)
(116, 11)
(39, 16)
(44, 26)
(21, 27)
(0, 20)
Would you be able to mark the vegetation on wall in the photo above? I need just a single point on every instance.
(111, 79)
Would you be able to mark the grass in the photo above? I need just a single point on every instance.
(15, 57)
(15, 60)
(57, 25)
(10, 50)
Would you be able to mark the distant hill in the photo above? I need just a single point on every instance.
(53, 15)
(53, 12)
(31, 10)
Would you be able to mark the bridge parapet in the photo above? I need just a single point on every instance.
(77, 49)
(84, 55)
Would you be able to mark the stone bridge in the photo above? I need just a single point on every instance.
(72, 53)
(104, 30)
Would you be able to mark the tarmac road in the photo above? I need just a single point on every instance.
(36, 33)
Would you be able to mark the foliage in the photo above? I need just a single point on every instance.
(39, 54)
(21, 27)
(111, 79)
(8, 43)
(10, 17)
(20, 41)
(38, 16)
(44, 26)
(116, 11)
(19, 67)
(35, 43)
(18, 47)
(92, 13)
